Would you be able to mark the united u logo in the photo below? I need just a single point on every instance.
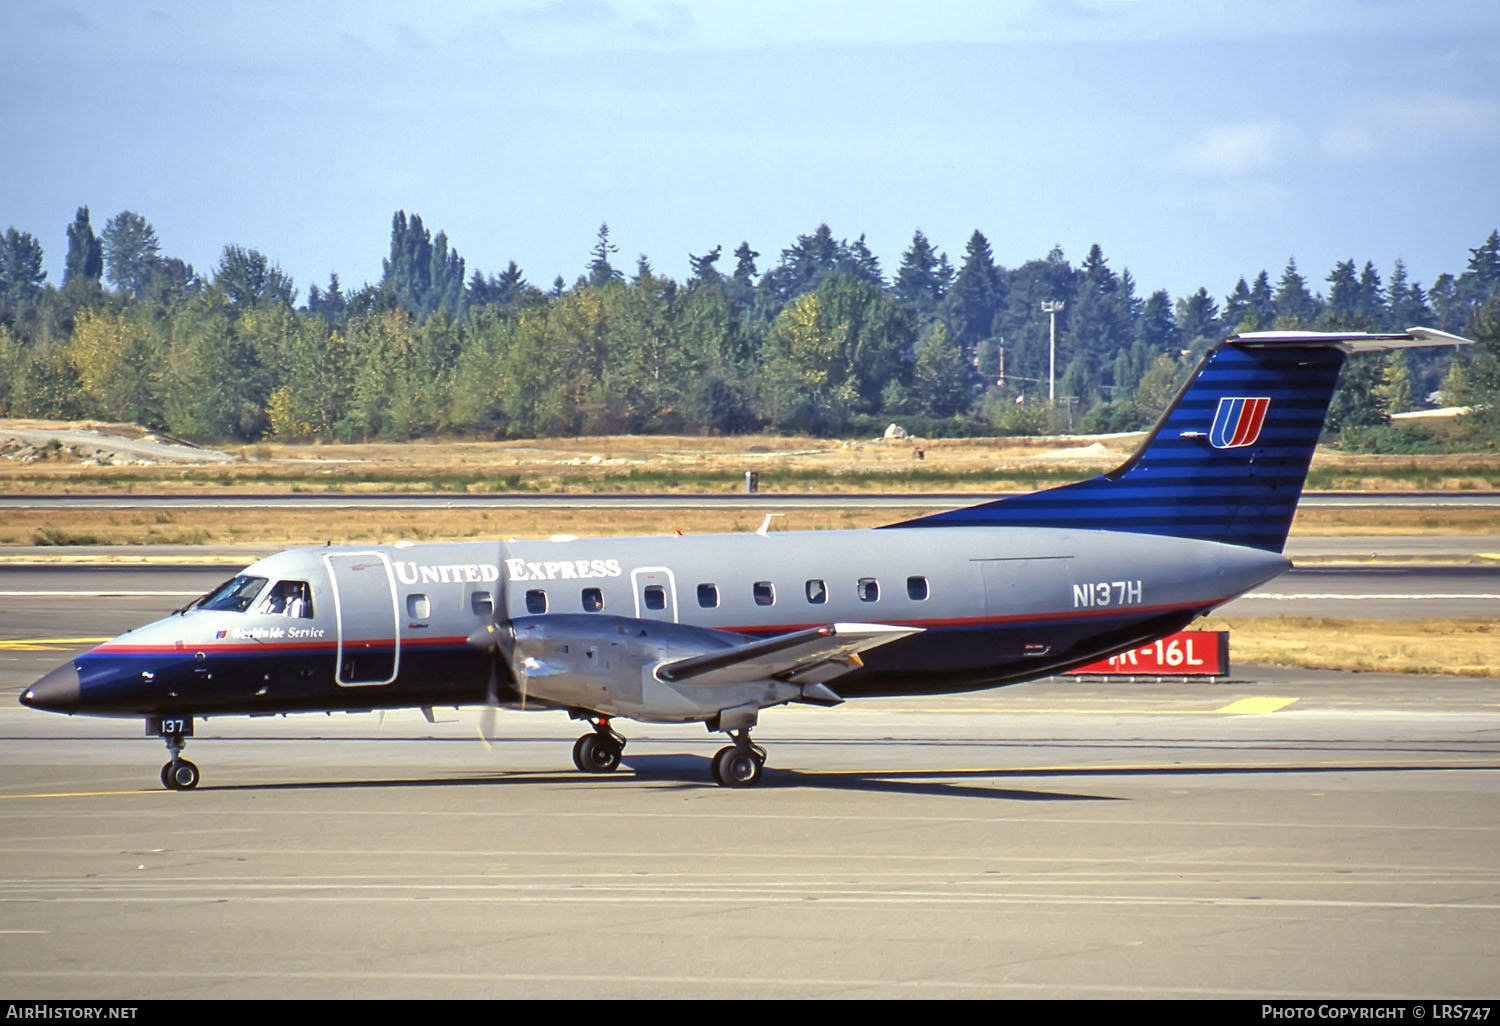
(1237, 421)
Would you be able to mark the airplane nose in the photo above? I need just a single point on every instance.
(58, 691)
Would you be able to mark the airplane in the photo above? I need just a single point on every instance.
(716, 628)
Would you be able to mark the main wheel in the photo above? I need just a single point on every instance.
(595, 753)
(184, 775)
(735, 767)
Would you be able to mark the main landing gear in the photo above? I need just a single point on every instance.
(740, 764)
(599, 752)
(178, 774)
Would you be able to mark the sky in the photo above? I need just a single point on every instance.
(1195, 142)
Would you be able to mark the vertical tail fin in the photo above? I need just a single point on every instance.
(1226, 462)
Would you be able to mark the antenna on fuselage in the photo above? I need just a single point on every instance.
(765, 525)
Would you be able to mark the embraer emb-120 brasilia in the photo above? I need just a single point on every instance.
(715, 628)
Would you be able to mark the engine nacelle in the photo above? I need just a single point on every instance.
(607, 664)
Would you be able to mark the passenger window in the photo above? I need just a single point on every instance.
(418, 607)
(655, 597)
(916, 589)
(536, 601)
(482, 603)
(593, 600)
(287, 598)
(765, 594)
(708, 596)
(869, 589)
(817, 592)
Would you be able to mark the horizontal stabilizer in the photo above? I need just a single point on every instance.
(801, 657)
(1353, 341)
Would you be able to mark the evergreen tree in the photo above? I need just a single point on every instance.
(858, 262)
(1371, 298)
(805, 264)
(1342, 307)
(21, 271)
(920, 282)
(1198, 317)
(1262, 303)
(246, 277)
(1295, 306)
(976, 296)
(1158, 328)
(704, 271)
(85, 254)
(330, 304)
(446, 276)
(601, 272)
(744, 264)
(1481, 278)
(1237, 307)
(132, 254)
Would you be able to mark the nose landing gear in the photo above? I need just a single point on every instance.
(179, 774)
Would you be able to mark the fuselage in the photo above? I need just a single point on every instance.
(350, 628)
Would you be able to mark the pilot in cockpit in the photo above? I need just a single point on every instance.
(288, 598)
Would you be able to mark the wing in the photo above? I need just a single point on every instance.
(809, 656)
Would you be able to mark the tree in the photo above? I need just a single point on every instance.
(422, 275)
(329, 304)
(940, 374)
(1262, 312)
(923, 278)
(1481, 278)
(601, 272)
(85, 253)
(1198, 317)
(704, 271)
(247, 277)
(1295, 306)
(21, 273)
(1158, 328)
(1237, 307)
(132, 254)
(975, 299)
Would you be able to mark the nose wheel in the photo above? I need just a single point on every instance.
(178, 774)
(600, 751)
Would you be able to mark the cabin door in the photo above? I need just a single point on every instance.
(369, 632)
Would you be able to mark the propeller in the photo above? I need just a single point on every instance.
(498, 641)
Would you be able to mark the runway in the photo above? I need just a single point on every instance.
(1297, 835)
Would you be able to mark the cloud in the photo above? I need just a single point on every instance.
(1429, 120)
(1233, 150)
(570, 12)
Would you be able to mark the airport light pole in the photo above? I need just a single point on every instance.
(1051, 308)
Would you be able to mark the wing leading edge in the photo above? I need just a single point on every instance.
(814, 655)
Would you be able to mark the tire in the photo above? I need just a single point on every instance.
(184, 775)
(596, 754)
(736, 768)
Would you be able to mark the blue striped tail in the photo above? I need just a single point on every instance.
(1226, 463)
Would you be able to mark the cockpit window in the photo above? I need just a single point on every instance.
(287, 598)
(233, 596)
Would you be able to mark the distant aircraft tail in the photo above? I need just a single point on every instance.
(1226, 462)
